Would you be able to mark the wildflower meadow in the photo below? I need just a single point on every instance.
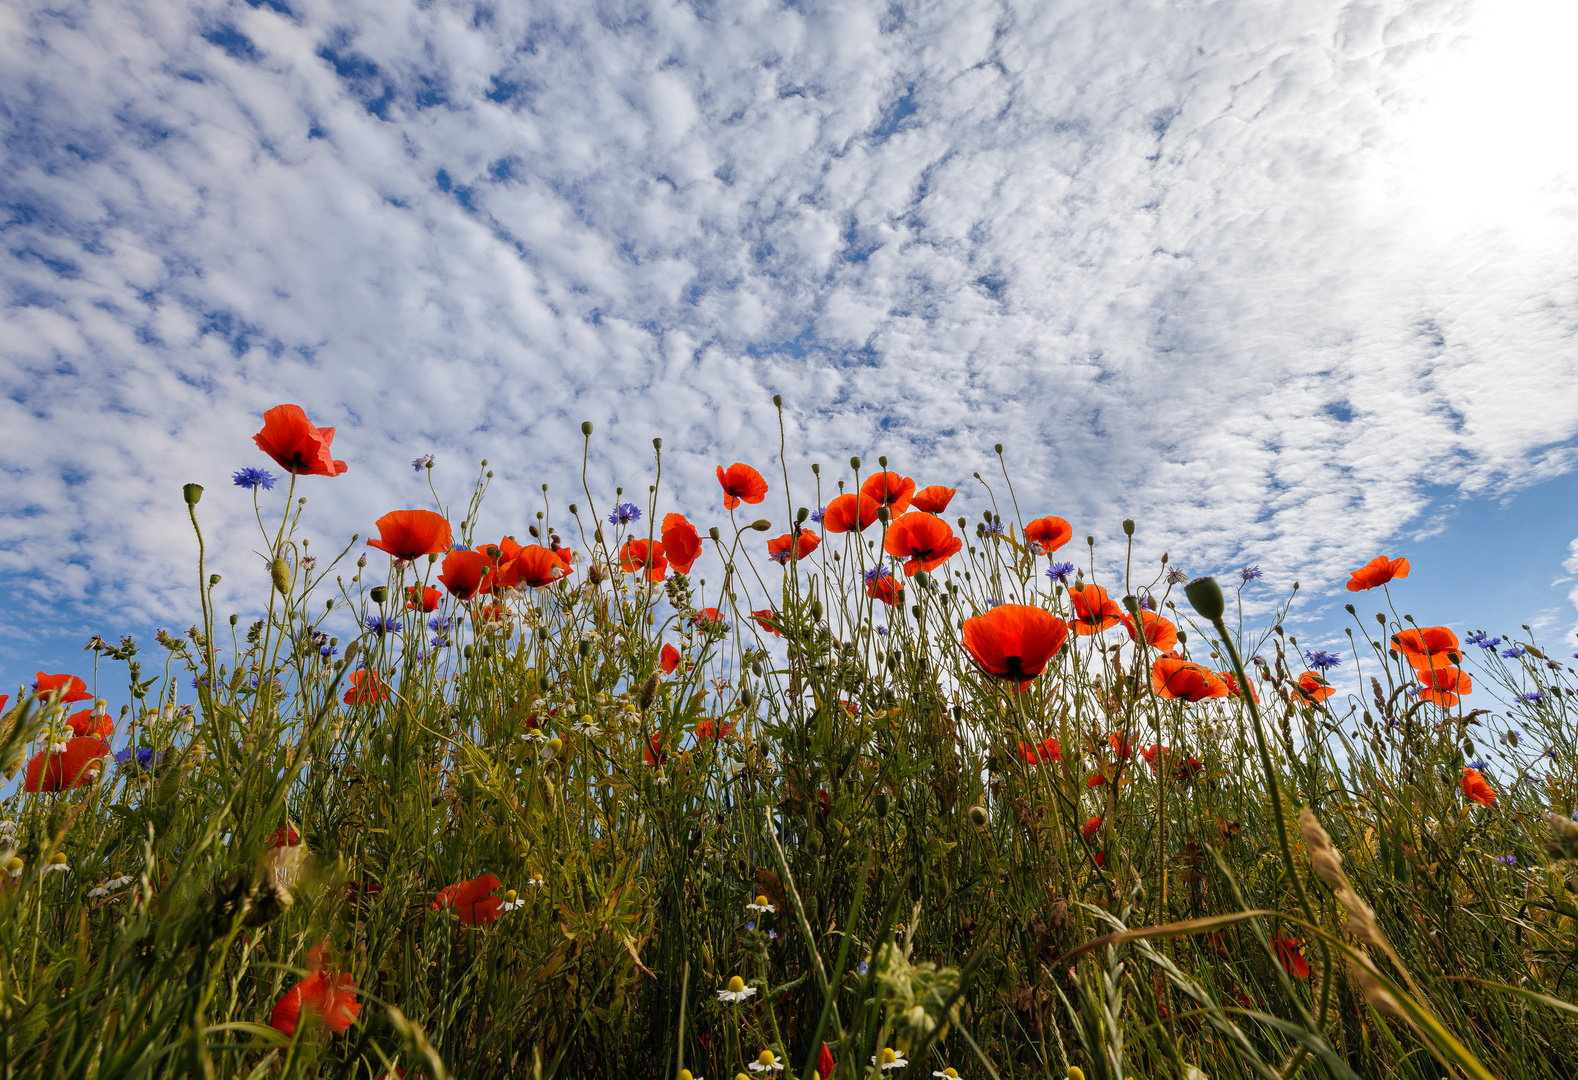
(812, 780)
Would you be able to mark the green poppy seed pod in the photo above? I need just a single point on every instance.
(573, 511)
(816, 609)
(883, 515)
(964, 523)
(714, 533)
(1206, 596)
(883, 461)
(213, 579)
(333, 641)
(923, 579)
(778, 401)
(432, 557)
(882, 804)
(999, 448)
(1090, 541)
(979, 817)
(915, 610)
(586, 429)
(468, 652)
(657, 444)
(1132, 603)
(747, 698)
(487, 652)
(585, 648)
(234, 619)
(1128, 526)
(279, 572)
(192, 492)
(328, 605)
(379, 595)
(800, 515)
(854, 463)
(761, 524)
(816, 470)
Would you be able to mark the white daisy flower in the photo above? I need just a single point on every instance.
(766, 1061)
(761, 904)
(57, 747)
(660, 779)
(57, 863)
(950, 1072)
(737, 990)
(512, 901)
(14, 867)
(7, 827)
(535, 881)
(551, 749)
(890, 1059)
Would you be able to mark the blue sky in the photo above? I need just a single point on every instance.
(1291, 284)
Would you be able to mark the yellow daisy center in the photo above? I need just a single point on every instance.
(685, 1074)
(766, 1058)
(58, 858)
(736, 984)
(509, 897)
(950, 1071)
(888, 1056)
(761, 901)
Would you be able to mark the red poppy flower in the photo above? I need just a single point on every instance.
(1094, 610)
(779, 550)
(491, 617)
(681, 543)
(1476, 789)
(4, 698)
(1378, 571)
(1101, 859)
(850, 513)
(463, 572)
(78, 765)
(886, 588)
(1050, 532)
(767, 619)
(825, 1063)
(924, 539)
(933, 500)
(1119, 741)
(652, 753)
(1312, 689)
(1096, 779)
(538, 567)
(1292, 957)
(471, 901)
(1014, 641)
(668, 659)
(707, 729)
(638, 556)
(429, 600)
(1151, 752)
(710, 621)
(1160, 633)
(85, 723)
(889, 489)
(1185, 680)
(741, 483)
(66, 688)
(284, 836)
(331, 999)
(365, 689)
(1092, 827)
(1047, 750)
(406, 534)
(1231, 682)
(502, 571)
(1432, 646)
(1442, 685)
(290, 439)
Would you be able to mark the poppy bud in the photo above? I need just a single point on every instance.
(1128, 526)
(234, 619)
(1132, 603)
(213, 579)
(1164, 558)
(279, 572)
(923, 579)
(747, 698)
(648, 692)
(713, 532)
(816, 470)
(778, 401)
(999, 448)
(328, 605)
(761, 524)
(882, 804)
(598, 535)
(800, 515)
(192, 492)
(586, 427)
(915, 610)
(1183, 637)
(432, 557)
(487, 652)
(883, 514)
(585, 648)
(1206, 596)
(379, 594)
(542, 635)
(816, 609)
(544, 684)
(351, 650)
(573, 511)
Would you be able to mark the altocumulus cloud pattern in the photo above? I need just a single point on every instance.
(1142, 244)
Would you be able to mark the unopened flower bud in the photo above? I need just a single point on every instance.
(213, 579)
(761, 524)
(882, 804)
(1128, 526)
(713, 532)
(1206, 596)
(883, 514)
(586, 427)
(778, 401)
(854, 463)
(279, 573)
(657, 444)
(361, 562)
(192, 492)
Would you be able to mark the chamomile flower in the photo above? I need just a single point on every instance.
(14, 867)
(890, 1059)
(551, 749)
(57, 863)
(7, 827)
(535, 881)
(766, 1061)
(686, 1074)
(512, 901)
(737, 990)
(116, 881)
(950, 1072)
(761, 904)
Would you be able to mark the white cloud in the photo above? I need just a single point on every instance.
(1165, 254)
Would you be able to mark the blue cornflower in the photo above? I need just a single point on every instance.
(1532, 697)
(991, 602)
(328, 652)
(883, 630)
(1249, 573)
(1512, 653)
(253, 478)
(1482, 639)
(1321, 660)
(816, 515)
(994, 528)
(878, 572)
(624, 514)
(145, 756)
(1060, 571)
(1479, 765)
(1508, 860)
(440, 623)
(423, 462)
(383, 624)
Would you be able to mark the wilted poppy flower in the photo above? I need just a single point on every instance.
(1431, 646)
(1442, 685)
(407, 534)
(1185, 680)
(1094, 610)
(538, 567)
(882, 585)
(1475, 788)
(1050, 532)
(1378, 571)
(66, 688)
(92, 722)
(471, 901)
(1231, 682)
(1047, 750)
(1291, 955)
(933, 500)
(850, 513)
(1160, 633)
(1014, 641)
(1312, 689)
(290, 439)
(668, 659)
(429, 600)
(741, 483)
(923, 539)
(332, 999)
(642, 556)
(365, 688)
(681, 543)
(889, 489)
(1092, 827)
(463, 572)
(779, 550)
(710, 621)
(78, 765)
(767, 619)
